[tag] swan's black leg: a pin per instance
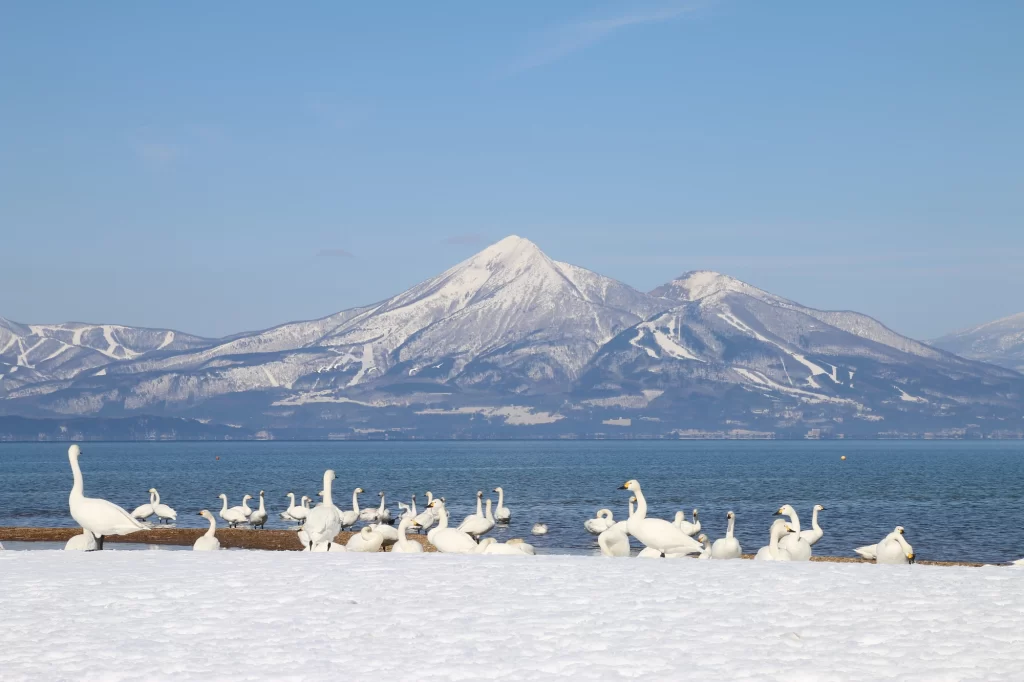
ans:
(99, 542)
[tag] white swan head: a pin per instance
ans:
(899, 529)
(261, 493)
(206, 515)
(785, 510)
(479, 493)
(223, 497)
(694, 513)
(74, 451)
(380, 494)
(818, 507)
(358, 491)
(246, 498)
(702, 538)
(730, 515)
(151, 490)
(498, 490)
(329, 475)
(630, 485)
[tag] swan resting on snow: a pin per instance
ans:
(83, 542)
(445, 539)
(98, 516)
(774, 551)
(798, 548)
(893, 549)
(404, 544)
(207, 542)
(366, 540)
(727, 547)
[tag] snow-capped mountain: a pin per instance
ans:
(1000, 342)
(511, 342)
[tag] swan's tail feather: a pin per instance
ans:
(867, 551)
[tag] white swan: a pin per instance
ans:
(893, 549)
(383, 513)
(427, 518)
(351, 517)
(322, 523)
(774, 552)
(657, 533)
(404, 544)
(703, 539)
(538, 528)
(96, 515)
(144, 511)
(691, 529)
(302, 511)
(727, 547)
(479, 514)
(389, 533)
(259, 516)
(650, 553)
(502, 514)
(408, 509)
(245, 506)
(812, 536)
(83, 542)
(448, 540)
(162, 511)
(366, 540)
(510, 548)
(369, 513)
(614, 542)
(286, 515)
(478, 525)
(231, 516)
(602, 521)
(207, 542)
(798, 548)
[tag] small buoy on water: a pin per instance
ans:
(842, 458)
(218, 458)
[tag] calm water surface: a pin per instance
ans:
(957, 500)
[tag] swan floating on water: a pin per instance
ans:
(682, 524)
(322, 523)
(259, 516)
(602, 521)
(286, 515)
(658, 534)
(383, 513)
(83, 542)
(207, 542)
(479, 514)
(538, 528)
(144, 511)
(502, 514)
(162, 511)
(405, 545)
(812, 536)
(798, 548)
(893, 549)
(727, 547)
(96, 515)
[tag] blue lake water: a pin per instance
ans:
(957, 500)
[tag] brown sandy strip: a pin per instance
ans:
(240, 538)
(284, 540)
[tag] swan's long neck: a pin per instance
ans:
(153, 499)
(403, 526)
(479, 506)
(77, 490)
(814, 521)
(631, 512)
(291, 496)
(355, 502)
(732, 525)
(641, 504)
(430, 497)
(262, 508)
(328, 500)
(501, 499)
(412, 507)
(489, 516)
(156, 496)
(224, 500)
(773, 542)
(795, 522)
(213, 527)
(380, 509)
(442, 517)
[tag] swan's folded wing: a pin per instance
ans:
(867, 551)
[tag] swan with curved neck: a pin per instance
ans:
(658, 534)
(812, 536)
(478, 525)
(404, 544)
(144, 511)
(162, 511)
(232, 516)
(259, 516)
(96, 515)
(703, 539)
(727, 547)
(287, 513)
(798, 548)
(502, 514)
(366, 540)
(83, 542)
(893, 549)
(322, 522)
(350, 517)
(479, 514)
(602, 521)
(775, 551)
(448, 540)
(207, 542)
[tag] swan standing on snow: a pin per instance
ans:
(144, 511)
(162, 511)
(659, 534)
(404, 544)
(366, 540)
(259, 516)
(727, 547)
(812, 536)
(893, 549)
(774, 551)
(322, 522)
(448, 540)
(351, 517)
(502, 514)
(602, 521)
(234, 515)
(798, 548)
(207, 542)
(478, 525)
(83, 542)
(98, 516)
(691, 529)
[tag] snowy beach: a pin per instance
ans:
(290, 616)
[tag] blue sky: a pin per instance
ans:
(216, 167)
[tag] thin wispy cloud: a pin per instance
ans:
(334, 253)
(464, 239)
(573, 37)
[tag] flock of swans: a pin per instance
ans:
(318, 527)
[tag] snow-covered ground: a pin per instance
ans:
(290, 616)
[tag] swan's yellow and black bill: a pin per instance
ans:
(778, 513)
(624, 486)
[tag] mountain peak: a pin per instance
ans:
(698, 284)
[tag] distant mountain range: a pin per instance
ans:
(1000, 342)
(510, 343)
